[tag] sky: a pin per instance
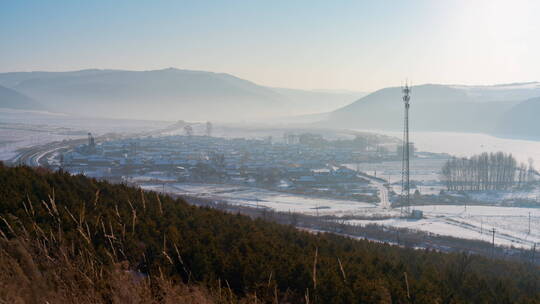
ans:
(305, 44)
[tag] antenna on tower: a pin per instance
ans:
(405, 172)
(208, 129)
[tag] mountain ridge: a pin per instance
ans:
(167, 94)
(520, 120)
(434, 107)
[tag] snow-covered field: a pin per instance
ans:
(425, 173)
(13, 139)
(279, 201)
(422, 169)
(23, 129)
(474, 222)
(499, 196)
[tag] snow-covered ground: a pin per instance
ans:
(24, 129)
(422, 169)
(474, 222)
(279, 201)
(12, 140)
(425, 173)
(500, 196)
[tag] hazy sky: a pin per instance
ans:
(354, 45)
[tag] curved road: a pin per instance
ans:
(37, 155)
(383, 193)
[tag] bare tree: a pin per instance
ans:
(487, 171)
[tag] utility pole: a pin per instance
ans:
(493, 242)
(481, 226)
(529, 223)
(533, 252)
(405, 180)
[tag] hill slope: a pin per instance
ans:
(70, 235)
(170, 94)
(521, 120)
(433, 108)
(12, 99)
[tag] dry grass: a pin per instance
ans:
(40, 265)
(33, 272)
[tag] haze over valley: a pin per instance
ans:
(172, 94)
(166, 94)
(287, 152)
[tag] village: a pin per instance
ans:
(302, 164)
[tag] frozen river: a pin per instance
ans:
(467, 144)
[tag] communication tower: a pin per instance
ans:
(405, 172)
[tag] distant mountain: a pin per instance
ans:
(507, 92)
(12, 99)
(169, 94)
(433, 108)
(521, 121)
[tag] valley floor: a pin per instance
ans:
(511, 224)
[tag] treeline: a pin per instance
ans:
(73, 239)
(486, 171)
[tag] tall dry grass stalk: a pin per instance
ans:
(315, 269)
(160, 208)
(342, 270)
(407, 285)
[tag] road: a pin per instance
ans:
(384, 201)
(37, 156)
